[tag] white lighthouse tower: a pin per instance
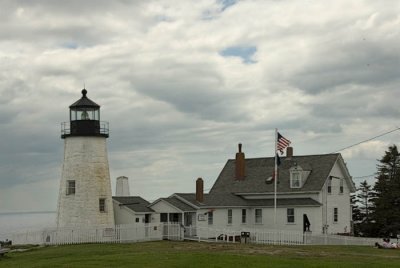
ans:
(85, 189)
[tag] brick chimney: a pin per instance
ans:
(199, 190)
(240, 164)
(289, 152)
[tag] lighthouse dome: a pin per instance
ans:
(84, 102)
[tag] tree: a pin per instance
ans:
(356, 216)
(365, 196)
(386, 211)
(362, 213)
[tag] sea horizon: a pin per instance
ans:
(14, 222)
(27, 212)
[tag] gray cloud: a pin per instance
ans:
(196, 88)
(325, 74)
(358, 63)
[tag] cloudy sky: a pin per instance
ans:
(183, 82)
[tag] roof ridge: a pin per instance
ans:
(270, 157)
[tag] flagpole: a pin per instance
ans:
(276, 175)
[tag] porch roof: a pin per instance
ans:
(179, 204)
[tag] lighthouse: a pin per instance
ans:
(85, 189)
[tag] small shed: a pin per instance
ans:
(133, 210)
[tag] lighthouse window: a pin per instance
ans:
(73, 115)
(85, 115)
(70, 187)
(102, 205)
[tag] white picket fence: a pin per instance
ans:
(258, 236)
(272, 237)
(114, 234)
(278, 237)
(175, 231)
(340, 240)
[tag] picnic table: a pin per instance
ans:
(3, 251)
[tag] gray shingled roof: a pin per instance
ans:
(135, 203)
(222, 199)
(226, 191)
(259, 169)
(231, 200)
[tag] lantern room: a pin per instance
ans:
(84, 117)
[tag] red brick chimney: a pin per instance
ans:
(199, 190)
(240, 164)
(289, 152)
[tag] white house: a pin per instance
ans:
(313, 192)
(133, 210)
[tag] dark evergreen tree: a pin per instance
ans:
(386, 211)
(364, 198)
(356, 216)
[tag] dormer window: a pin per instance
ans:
(296, 180)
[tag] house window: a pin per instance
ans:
(137, 219)
(164, 217)
(70, 187)
(174, 217)
(102, 205)
(290, 215)
(258, 216)
(210, 217)
(295, 179)
(244, 212)
(229, 216)
(341, 186)
(335, 215)
(330, 185)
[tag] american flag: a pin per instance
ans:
(282, 143)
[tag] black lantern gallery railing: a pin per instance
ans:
(84, 128)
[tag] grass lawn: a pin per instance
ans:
(194, 254)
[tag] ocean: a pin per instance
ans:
(17, 222)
